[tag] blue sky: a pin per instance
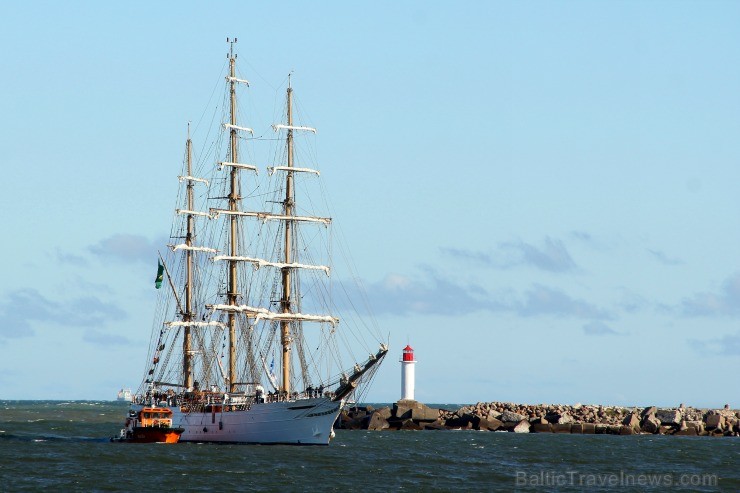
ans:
(541, 197)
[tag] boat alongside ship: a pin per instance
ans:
(241, 284)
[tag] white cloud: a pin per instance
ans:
(127, 248)
(723, 302)
(598, 329)
(541, 300)
(664, 259)
(552, 256)
(22, 309)
(727, 345)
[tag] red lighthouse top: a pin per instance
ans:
(408, 353)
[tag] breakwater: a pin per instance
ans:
(545, 418)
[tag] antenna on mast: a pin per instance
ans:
(231, 42)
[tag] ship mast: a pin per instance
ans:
(233, 200)
(187, 354)
(288, 210)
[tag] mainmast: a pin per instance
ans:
(187, 353)
(288, 210)
(233, 201)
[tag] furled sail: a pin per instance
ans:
(268, 216)
(258, 262)
(183, 246)
(264, 313)
(272, 169)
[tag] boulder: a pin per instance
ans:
(539, 427)
(669, 416)
(436, 425)
(511, 417)
(686, 432)
(422, 412)
(408, 424)
(402, 409)
(565, 418)
(716, 433)
(631, 420)
(491, 424)
(385, 412)
(459, 422)
(715, 421)
(408, 409)
(698, 425)
(650, 424)
(522, 427)
(648, 411)
(473, 419)
(562, 418)
(377, 422)
(627, 430)
(347, 422)
(666, 430)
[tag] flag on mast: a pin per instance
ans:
(160, 275)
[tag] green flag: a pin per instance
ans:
(160, 272)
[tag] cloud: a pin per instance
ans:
(725, 302)
(598, 329)
(469, 255)
(632, 302)
(436, 295)
(664, 259)
(126, 248)
(71, 259)
(401, 295)
(23, 307)
(582, 235)
(541, 300)
(551, 257)
(727, 345)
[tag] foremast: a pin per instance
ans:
(233, 229)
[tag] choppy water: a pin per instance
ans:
(63, 446)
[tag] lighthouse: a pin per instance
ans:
(407, 373)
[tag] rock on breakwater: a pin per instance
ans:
(546, 418)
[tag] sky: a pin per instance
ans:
(540, 197)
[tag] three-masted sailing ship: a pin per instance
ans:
(244, 286)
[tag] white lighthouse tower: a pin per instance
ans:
(407, 373)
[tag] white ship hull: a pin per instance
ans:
(302, 422)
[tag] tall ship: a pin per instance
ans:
(247, 343)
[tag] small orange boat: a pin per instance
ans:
(149, 425)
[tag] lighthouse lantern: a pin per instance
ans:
(407, 373)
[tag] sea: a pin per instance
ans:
(65, 446)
